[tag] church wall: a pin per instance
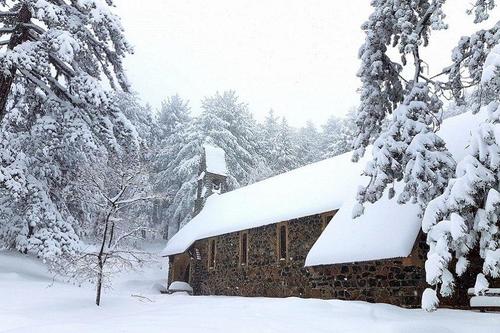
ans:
(398, 281)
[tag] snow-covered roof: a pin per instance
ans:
(315, 188)
(215, 158)
(386, 229)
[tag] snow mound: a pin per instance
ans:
(180, 286)
(215, 158)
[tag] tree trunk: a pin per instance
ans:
(99, 281)
(111, 234)
(19, 36)
(100, 261)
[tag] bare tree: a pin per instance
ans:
(114, 192)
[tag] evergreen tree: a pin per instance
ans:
(408, 149)
(225, 122)
(284, 151)
(54, 126)
(64, 49)
(400, 24)
(174, 112)
(460, 214)
(176, 164)
(269, 134)
(337, 136)
(468, 211)
(308, 142)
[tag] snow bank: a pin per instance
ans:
(33, 302)
(215, 158)
(386, 229)
(309, 190)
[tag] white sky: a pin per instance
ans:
(294, 56)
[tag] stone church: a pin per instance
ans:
(293, 235)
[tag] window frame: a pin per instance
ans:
(327, 217)
(212, 257)
(244, 250)
(279, 227)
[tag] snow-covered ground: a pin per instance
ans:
(31, 302)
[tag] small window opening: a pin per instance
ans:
(282, 239)
(326, 218)
(244, 248)
(211, 254)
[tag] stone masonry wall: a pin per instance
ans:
(396, 281)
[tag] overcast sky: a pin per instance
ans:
(296, 57)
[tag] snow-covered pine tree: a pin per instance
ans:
(284, 151)
(63, 49)
(176, 164)
(264, 135)
(466, 215)
(225, 122)
(337, 135)
(57, 118)
(408, 149)
(329, 134)
(271, 124)
(401, 24)
(269, 133)
(174, 112)
(184, 169)
(309, 144)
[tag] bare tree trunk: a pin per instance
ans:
(99, 281)
(111, 234)
(100, 261)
